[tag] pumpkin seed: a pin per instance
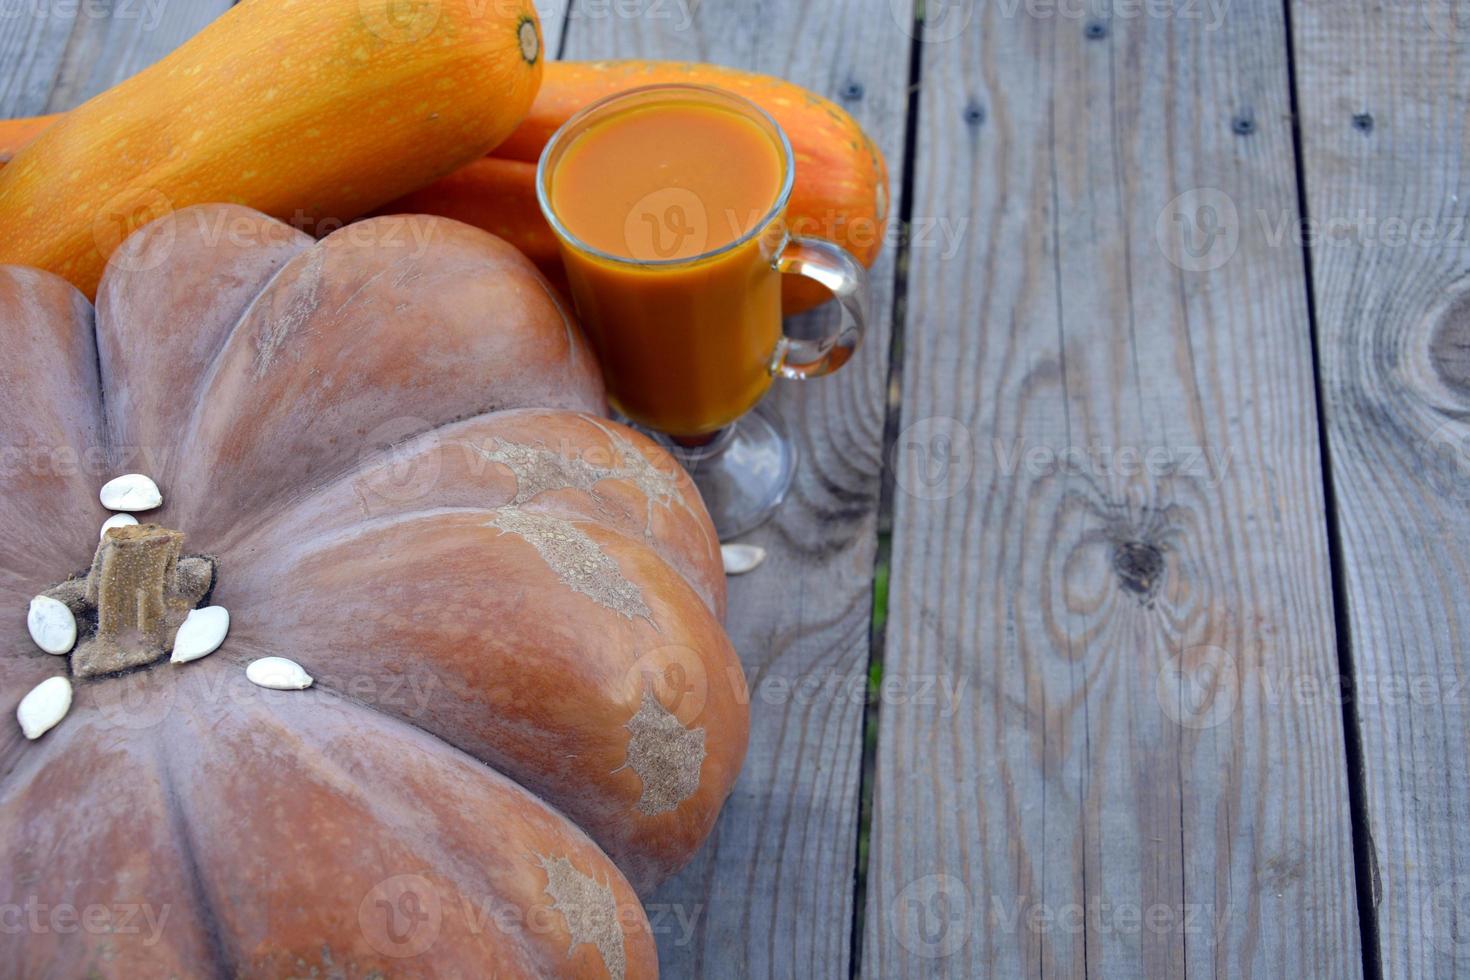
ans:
(278, 674)
(118, 520)
(133, 492)
(52, 624)
(201, 633)
(40, 710)
(741, 558)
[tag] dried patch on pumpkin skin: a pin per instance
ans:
(590, 911)
(537, 470)
(576, 559)
(664, 754)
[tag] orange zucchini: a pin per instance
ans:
(16, 133)
(308, 110)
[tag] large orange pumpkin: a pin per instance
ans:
(525, 709)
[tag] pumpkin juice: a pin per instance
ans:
(671, 235)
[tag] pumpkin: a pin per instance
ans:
(840, 192)
(309, 111)
(384, 454)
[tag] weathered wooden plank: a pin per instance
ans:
(1385, 101)
(773, 889)
(55, 54)
(1109, 519)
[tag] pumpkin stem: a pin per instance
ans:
(140, 588)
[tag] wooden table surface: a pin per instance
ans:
(1117, 623)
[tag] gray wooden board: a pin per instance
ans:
(1385, 102)
(773, 888)
(55, 54)
(1109, 524)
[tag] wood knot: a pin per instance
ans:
(1243, 125)
(853, 91)
(1363, 122)
(1140, 566)
(1096, 30)
(974, 114)
(1449, 346)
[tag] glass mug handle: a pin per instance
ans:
(834, 267)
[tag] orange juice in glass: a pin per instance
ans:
(669, 206)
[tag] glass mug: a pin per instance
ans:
(668, 204)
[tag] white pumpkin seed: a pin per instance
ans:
(52, 624)
(202, 632)
(741, 558)
(118, 520)
(278, 674)
(133, 492)
(40, 710)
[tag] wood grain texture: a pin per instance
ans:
(1109, 521)
(55, 54)
(773, 888)
(1385, 101)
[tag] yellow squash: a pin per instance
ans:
(309, 110)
